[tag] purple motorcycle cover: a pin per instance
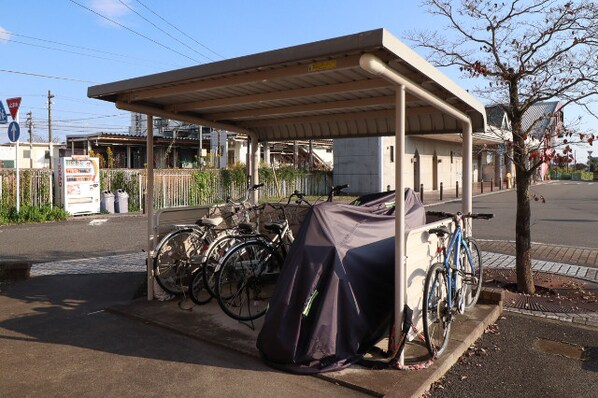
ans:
(334, 297)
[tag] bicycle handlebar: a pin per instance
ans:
(245, 199)
(300, 198)
(482, 216)
(335, 190)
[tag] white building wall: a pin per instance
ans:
(325, 155)
(240, 149)
(37, 152)
(448, 171)
(356, 163)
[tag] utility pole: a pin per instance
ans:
(30, 125)
(50, 96)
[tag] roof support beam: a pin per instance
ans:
(281, 110)
(149, 206)
(377, 67)
(368, 84)
(149, 110)
(260, 76)
(347, 116)
(400, 271)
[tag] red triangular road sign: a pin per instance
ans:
(13, 106)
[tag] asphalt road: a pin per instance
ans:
(569, 216)
(526, 356)
(57, 340)
(78, 237)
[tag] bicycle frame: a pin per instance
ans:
(456, 244)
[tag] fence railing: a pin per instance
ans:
(36, 187)
(172, 188)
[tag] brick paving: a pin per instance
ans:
(561, 254)
(100, 265)
(507, 261)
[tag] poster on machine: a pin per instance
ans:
(78, 184)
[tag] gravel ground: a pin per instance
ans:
(525, 356)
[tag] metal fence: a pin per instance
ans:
(35, 187)
(172, 188)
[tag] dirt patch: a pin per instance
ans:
(554, 293)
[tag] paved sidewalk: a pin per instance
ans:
(505, 261)
(550, 253)
(136, 263)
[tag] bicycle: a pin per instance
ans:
(172, 265)
(173, 262)
(202, 286)
(334, 190)
(247, 274)
(453, 285)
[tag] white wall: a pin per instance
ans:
(37, 152)
(356, 163)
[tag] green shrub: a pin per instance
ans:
(587, 176)
(32, 214)
(202, 188)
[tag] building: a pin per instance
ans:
(34, 155)
(367, 164)
(179, 145)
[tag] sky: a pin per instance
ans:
(65, 46)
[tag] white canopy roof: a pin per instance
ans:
(315, 90)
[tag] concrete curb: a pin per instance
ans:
(457, 349)
(466, 329)
(213, 327)
(15, 271)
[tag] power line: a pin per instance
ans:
(133, 31)
(163, 31)
(83, 48)
(48, 76)
(119, 115)
(68, 111)
(76, 53)
(180, 31)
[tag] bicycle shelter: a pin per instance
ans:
(365, 84)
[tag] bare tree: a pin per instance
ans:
(524, 52)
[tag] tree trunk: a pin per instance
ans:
(523, 239)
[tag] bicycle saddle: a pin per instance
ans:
(212, 222)
(246, 227)
(440, 231)
(275, 226)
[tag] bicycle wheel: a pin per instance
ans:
(197, 290)
(472, 282)
(246, 279)
(214, 255)
(436, 312)
(172, 266)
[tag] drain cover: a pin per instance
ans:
(567, 350)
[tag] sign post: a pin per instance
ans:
(14, 130)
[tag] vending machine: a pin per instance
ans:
(78, 184)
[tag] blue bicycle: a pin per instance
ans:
(453, 285)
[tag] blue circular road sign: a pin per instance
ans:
(14, 131)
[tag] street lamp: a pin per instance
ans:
(590, 160)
